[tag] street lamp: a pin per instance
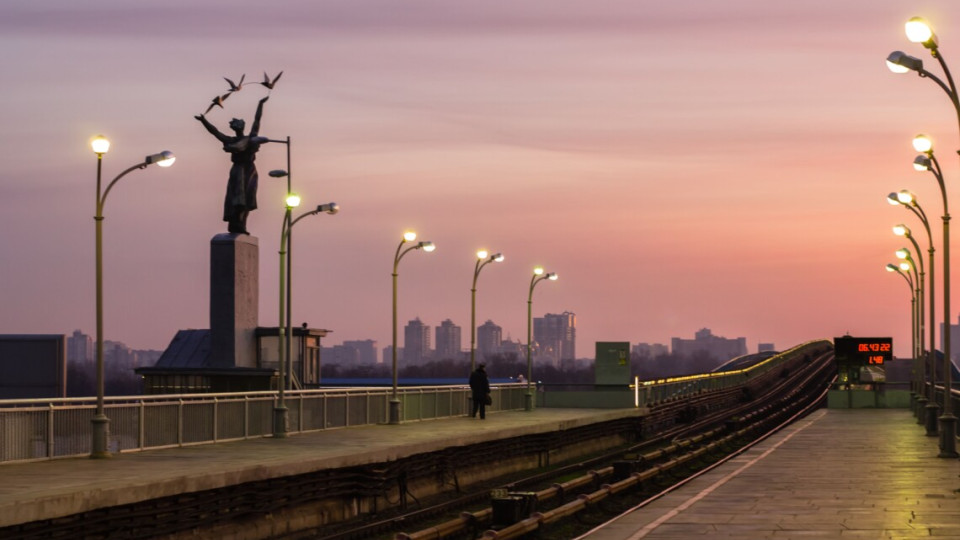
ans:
(538, 276)
(913, 317)
(919, 31)
(928, 407)
(284, 328)
(482, 260)
(908, 265)
(904, 270)
(408, 236)
(100, 429)
(903, 230)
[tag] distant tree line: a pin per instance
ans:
(82, 381)
(508, 365)
(498, 366)
(672, 365)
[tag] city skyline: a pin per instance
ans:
(679, 166)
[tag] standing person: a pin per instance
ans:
(241, 195)
(480, 388)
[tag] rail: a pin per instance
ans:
(60, 427)
(657, 391)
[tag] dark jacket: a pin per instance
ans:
(479, 384)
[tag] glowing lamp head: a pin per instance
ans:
(100, 145)
(482, 254)
(163, 159)
(893, 200)
(409, 236)
(921, 163)
(168, 161)
(538, 271)
(552, 276)
(900, 62)
(919, 31)
(922, 143)
(427, 246)
(903, 254)
(292, 200)
(497, 257)
(901, 230)
(905, 197)
(892, 268)
(905, 266)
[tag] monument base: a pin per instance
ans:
(234, 292)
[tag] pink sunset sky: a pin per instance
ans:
(680, 164)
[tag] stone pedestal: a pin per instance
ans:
(234, 290)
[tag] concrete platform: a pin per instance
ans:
(866, 473)
(48, 489)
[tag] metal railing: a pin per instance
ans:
(54, 428)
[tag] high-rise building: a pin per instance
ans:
(387, 355)
(448, 341)
(342, 355)
(489, 336)
(556, 337)
(416, 343)
(79, 347)
(366, 350)
(704, 341)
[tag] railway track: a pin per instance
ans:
(557, 502)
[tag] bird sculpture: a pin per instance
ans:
(269, 83)
(217, 102)
(236, 87)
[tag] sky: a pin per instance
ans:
(680, 165)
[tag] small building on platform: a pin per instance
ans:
(187, 367)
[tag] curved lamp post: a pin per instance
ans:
(905, 272)
(907, 199)
(538, 276)
(907, 264)
(100, 429)
(408, 236)
(284, 328)
(903, 230)
(928, 407)
(919, 31)
(482, 260)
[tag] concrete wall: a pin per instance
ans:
(599, 399)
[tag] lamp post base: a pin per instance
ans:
(528, 401)
(99, 447)
(933, 411)
(948, 436)
(921, 410)
(394, 411)
(280, 418)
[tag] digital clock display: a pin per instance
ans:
(863, 351)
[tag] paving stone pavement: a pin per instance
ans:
(861, 473)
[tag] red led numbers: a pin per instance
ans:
(873, 347)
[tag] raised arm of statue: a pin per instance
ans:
(212, 129)
(255, 128)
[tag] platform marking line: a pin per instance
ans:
(706, 491)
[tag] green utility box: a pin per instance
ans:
(612, 366)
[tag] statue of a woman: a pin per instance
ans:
(241, 195)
